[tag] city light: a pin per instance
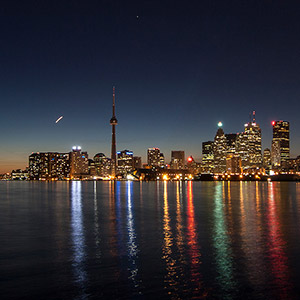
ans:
(220, 124)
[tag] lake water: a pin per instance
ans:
(147, 240)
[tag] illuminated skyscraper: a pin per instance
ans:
(267, 159)
(153, 157)
(249, 145)
(125, 161)
(275, 154)
(207, 164)
(281, 133)
(113, 123)
(162, 160)
(220, 150)
(102, 165)
(78, 163)
(177, 160)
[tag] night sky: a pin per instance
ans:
(179, 67)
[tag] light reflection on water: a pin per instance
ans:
(221, 242)
(78, 240)
(171, 240)
(276, 247)
(132, 248)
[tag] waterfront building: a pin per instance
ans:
(91, 168)
(275, 154)
(231, 142)
(102, 165)
(281, 133)
(78, 163)
(192, 166)
(124, 162)
(48, 165)
(248, 145)
(177, 160)
(113, 123)
(267, 163)
(19, 174)
(137, 162)
(233, 163)
(161, 160)
(207, 165)
(220, 150)
(153, 157)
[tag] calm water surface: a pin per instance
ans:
(132, 240)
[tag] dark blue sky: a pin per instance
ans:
(179, 68)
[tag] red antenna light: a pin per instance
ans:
(273, 123)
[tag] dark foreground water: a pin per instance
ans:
(157, 240)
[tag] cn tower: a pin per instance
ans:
(113, 123)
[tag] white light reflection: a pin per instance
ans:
(131, 245)
(96, 222)
(78, 243)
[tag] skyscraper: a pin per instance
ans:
(153, 157)
(220, 150)
(267, 159)
(281, 133)
(113, 123)
(125, 161)
(249, 144)
(102, 165)
(275, 154)
(207, 157)
(177, 159)
(78, 163)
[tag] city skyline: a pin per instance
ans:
(178, 71)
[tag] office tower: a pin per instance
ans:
(49, 165)
(192, 165)
(276, 154)
(267, 159)
(207, 165)
(102, 165)
(248, 145)
(161, 160)
(125, 161)
(78, 163)
(137, 162)
(153, 157)
(91, 167)
(220, 150)
(231, 142)
(113, 123)
(233, 163)
(177, 160)
(281, 133)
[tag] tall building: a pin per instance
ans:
(231, 142)
(281, 133)
(220, 150)
(267, 163)
(49, 165)
(192, 165)
(79, 164)
(102, 165)
(177, 160)
(162, 160)
(276, 154)
(153, 157)
(137, 162)
(233, 163)
(125, 161)
(207, 165)
(113, 123)
(248, 144)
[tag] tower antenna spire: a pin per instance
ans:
(113, 123)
